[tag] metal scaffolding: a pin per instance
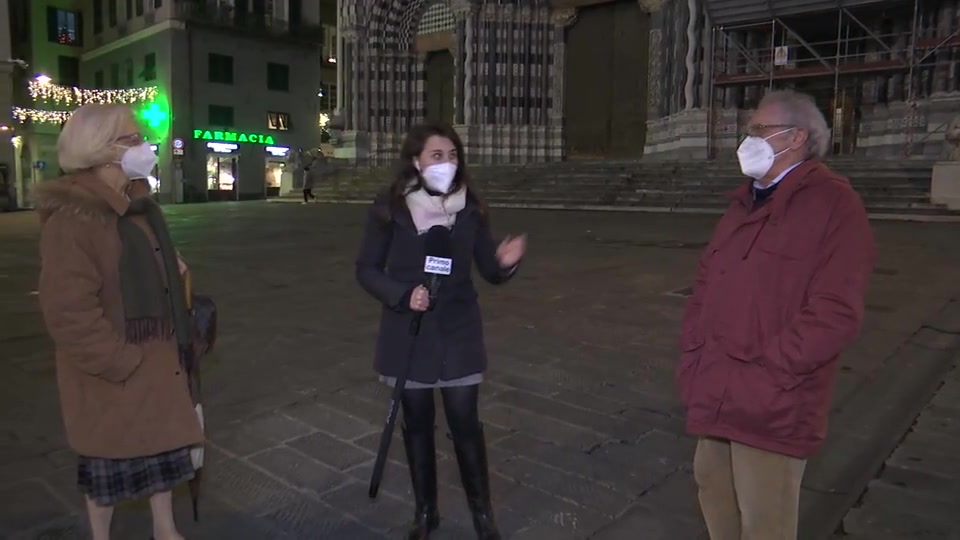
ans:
(793, 52)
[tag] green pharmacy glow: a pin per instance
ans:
(153, 115)
(232, 136)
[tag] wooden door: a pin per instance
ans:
(439, 87)
(605, 87)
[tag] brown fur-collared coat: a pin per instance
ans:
(119, 400)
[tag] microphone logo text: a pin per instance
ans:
(437, 265)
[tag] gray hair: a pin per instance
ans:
(800, 110)
(88, 138)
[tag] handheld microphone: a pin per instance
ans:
(438, 262)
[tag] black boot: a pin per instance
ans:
(422, 460)
(471, 449)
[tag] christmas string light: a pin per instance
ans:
(39, 116)
(72, 95)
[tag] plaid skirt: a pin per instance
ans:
(110, 481)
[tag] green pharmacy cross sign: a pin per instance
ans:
(232, 136)
(153, 115)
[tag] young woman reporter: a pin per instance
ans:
(432, 188)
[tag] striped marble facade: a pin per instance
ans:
(508, 61)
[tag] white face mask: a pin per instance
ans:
(138, 161)
(438, 177)
(756, 156)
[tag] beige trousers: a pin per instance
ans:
(746, 493)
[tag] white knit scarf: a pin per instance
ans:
(428, 210)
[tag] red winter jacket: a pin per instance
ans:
(779, 293)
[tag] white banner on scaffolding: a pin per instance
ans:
(781, 56)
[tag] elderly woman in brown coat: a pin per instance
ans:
(109, 284)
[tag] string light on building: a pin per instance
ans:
(38, 116)
(43, 90)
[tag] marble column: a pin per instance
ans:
(560, 20)
(895, 82)
(464, 13)
(690, 59)
(944, 27)
(655, 64)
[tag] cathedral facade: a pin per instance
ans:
(549, 80)
(499, 71)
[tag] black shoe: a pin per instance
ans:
(422, 460)
(471, 449)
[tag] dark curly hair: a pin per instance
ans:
(395, 195)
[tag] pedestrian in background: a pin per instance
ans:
(432, 188)
(779, 293)
(111, 298)
(311, 171)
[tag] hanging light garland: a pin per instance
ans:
(72, 95)
(41, 89)
(40, 116)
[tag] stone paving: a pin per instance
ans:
(585, 432)
(916, 496)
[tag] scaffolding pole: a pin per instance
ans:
(773, 52)
(911, 112)
(712, 148)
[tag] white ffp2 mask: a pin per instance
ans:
(138, 161)
(756, 156)
(439, 176)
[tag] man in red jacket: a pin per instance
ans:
(779, 293)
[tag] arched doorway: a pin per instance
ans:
(439, 85)
(605, 86)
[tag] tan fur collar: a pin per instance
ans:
(82, 195)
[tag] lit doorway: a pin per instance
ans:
(277, 157)
(222, 172)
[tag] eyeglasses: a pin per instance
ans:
(759, 130)
(131, 138)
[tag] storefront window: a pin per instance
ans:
(220, 173)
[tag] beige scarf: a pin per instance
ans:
(428, 210)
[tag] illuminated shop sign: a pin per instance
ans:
(232, 136)
(278, 151)
(223, 148)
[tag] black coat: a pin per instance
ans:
(390, 266)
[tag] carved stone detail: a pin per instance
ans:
(564, 17)
(650, 5)
(462, 8)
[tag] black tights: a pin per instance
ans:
(459, 404)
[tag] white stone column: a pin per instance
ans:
(561, 19)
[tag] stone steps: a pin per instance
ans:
(889, 188)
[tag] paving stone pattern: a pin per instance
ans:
(917, 495)
(585, 432)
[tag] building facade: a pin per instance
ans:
(48, 36)
(229, 91)
(526, 80)
(8, 188)
(885, 73)
(548, 80)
